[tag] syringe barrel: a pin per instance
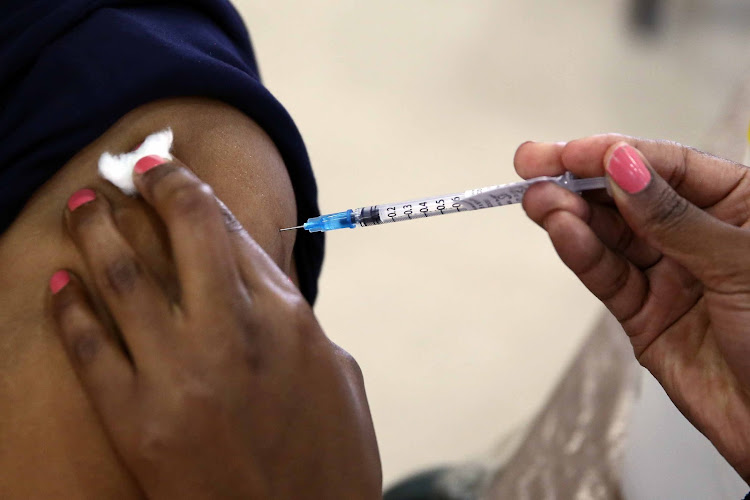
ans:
(408, 210)
(507, 194)
(475, 199)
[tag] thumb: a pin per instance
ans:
(715, 252)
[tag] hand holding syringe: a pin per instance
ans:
(475, 199)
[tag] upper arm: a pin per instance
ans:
(231, 153)
(221, 145)
(225, 149)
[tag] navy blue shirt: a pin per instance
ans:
(66, 75)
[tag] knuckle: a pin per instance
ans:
(680, 171)
(84, 218)
(616, 283)
(230, 221)
(193, 394)
(293, 316)
(668, 211)
(198, 396)
(155, 440)
(348, 365)
(62, 305)
(192, 200)
(300, 314)
(190, 402)
(160, 177)
(625, 237)
(352, 365)
(676, 161)
(122, 274)
(85, 347)
(82, 337)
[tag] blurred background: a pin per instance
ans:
(463, 325)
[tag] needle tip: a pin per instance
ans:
(290, 228)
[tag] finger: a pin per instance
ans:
(611, 278)
(534, 159)
(611, 228)
(256, 267)
(102, 366)
(206, 267)
(545, 198)
(145, 233)
(701, 178)
(136, 302)
(623, 288)
(715, 252)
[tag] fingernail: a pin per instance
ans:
(147, 163)
(80, 197)
(628, 170)
(58, 281)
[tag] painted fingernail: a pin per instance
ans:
(628, 170)
(80, 198)
(147, 163)
(58, 281)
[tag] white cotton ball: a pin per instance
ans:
(118, 169)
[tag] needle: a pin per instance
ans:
(290, 228)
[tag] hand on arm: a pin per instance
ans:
(669, 256)
(230, 389)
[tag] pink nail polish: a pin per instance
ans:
(628, 170)
(147, 163)
(58, 281)
(80, 197)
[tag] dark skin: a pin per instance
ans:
(228, 389)
(52, 441)
(671, 264)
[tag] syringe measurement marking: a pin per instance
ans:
(456, 203)
(427, 208)
(439, 206)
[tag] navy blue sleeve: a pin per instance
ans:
(66, 75)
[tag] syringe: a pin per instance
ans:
(475, 199)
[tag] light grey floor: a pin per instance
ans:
(463, 324)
